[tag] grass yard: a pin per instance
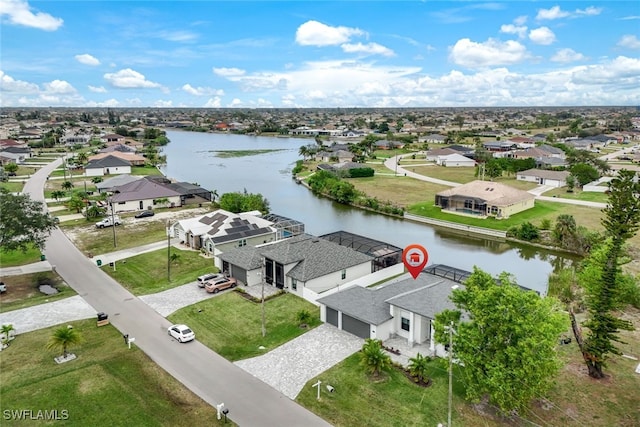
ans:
(231, 325)
(461, 175)
(585, 216)
(90, 239)
(391, 400)
(401, 190)
(575, 400)
(142, 170)
(137, 275)
(587, 196)
(12, 187)
(22, 290)
(16, 258)
(107, 384)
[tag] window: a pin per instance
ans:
(294, 284)
(468, 204)
(242, 242)
(494, 210)
(344, 274)
(404, 324)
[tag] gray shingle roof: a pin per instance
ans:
(107, 162)
(427, 295)
(315, 257)
(247, 257)
(142, 189)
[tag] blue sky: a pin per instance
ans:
(319, 53)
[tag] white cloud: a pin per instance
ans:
(228, 72)
(19, 12)
(108, 103)
(201, 91)
(128, 78)
(630, 41)
(9, 84)
(542, 35)
(567, 55)
(178, 36)
(590, 11)
(369, 48)
(520, 20)
(213, 103)
(554, 13)
(314, 33)
(520, 30)
(97, 89)
(490, 53)
(87, 59)
(59, 87)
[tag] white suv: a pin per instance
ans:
(209, 276)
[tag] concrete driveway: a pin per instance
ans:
(289, 367)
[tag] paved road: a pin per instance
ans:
(250, 401)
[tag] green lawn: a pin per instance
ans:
(107, 384)
(13, 187)
(137, 275)
(142, 170)
(15, 258)
(390, 401)
(231, 325)
(587, 196)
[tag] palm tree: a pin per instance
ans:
(419, 367)
(214, 195)
(63, 338)
(374, 359)
(57, 194)
(94, 211)
(6, 330)
(303, 317)
(304, 152)
(96, 179)
(82, 157)
(67, 185)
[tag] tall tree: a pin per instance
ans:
(23, 222)
(621, 221)
(507, 345)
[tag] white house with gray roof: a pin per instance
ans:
(405, 308)
(296, 263)
(109, 165)
(544, 177)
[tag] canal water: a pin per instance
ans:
(196, 157)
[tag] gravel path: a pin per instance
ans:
(289, 367)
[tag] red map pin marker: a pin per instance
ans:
(415, 257)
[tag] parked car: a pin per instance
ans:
(215, 286)
(181, 332)
(108, 222)
(145, 214)
(209, 276)
(3, 287)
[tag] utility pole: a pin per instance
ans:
(168, 253)
(450, 372)
(113, 223)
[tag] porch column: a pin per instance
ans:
(432, 344)
(412, 318)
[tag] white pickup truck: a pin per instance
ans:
(108, 222)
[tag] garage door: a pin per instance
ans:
(355, 326)
(240, 274)
(332, 317)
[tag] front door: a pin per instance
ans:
(141, 205)
(279, 275)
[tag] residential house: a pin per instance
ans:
(434, 138)
(544, 177)
(433, 154)
(455, 160)
(406, 308)
(110, 184)
(220, 231)
(499, 146)
(383, 144)
(118, 147)
(132, 158)
(339, 155)
(109, 165)
(112, 138)
(297, 263)
(484, 198)
(143, 194)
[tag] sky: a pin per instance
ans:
(319, 54)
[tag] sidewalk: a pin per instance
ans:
(128, 253)
(35, 267)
